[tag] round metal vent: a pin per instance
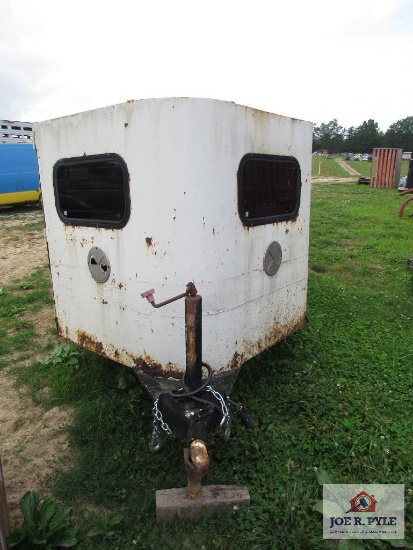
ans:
(99, 265)
(273, 258)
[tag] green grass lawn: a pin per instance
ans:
(336, 395)
(328, 167)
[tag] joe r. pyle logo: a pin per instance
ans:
(345, 507)
(362, 502)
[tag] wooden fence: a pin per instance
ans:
(385, 170)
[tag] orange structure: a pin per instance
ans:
(385, 170)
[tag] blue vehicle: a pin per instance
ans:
(19, 173)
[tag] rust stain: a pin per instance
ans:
(104, 302)
(145, 365)
(288, 223)
(120, 286)
(63, 331)
(89, 342)
(236, 361)
(275, 335)
(126, 124)
(148, 241)
(148, 366)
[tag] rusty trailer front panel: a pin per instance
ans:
(179, 219)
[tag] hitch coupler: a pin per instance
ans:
(196, 463)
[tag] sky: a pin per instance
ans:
(314, 60)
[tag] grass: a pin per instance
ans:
(328, 167)
(19, 303)
(336, 395)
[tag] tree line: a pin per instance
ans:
(364, 138)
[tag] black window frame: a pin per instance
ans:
(276, 218)
(94, 222)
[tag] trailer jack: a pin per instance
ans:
(196, 411)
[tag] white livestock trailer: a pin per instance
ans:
(151, 194)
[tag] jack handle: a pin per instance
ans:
(190, 291)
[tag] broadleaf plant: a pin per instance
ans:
(45, 525)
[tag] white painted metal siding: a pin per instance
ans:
(182, 156)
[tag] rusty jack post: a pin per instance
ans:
(193, 337)
(193, 331)
(196, 463)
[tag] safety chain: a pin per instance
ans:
(226, 419)
(158, 420)
(155, 443)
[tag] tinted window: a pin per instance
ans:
(268, 189)
(92, 190)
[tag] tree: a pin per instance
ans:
(364, 138)
(367, 136)
(400, 134)
(351, 142)
(329, 136)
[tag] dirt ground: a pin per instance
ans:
(31, 440)
(347, 167)
(353, 175)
